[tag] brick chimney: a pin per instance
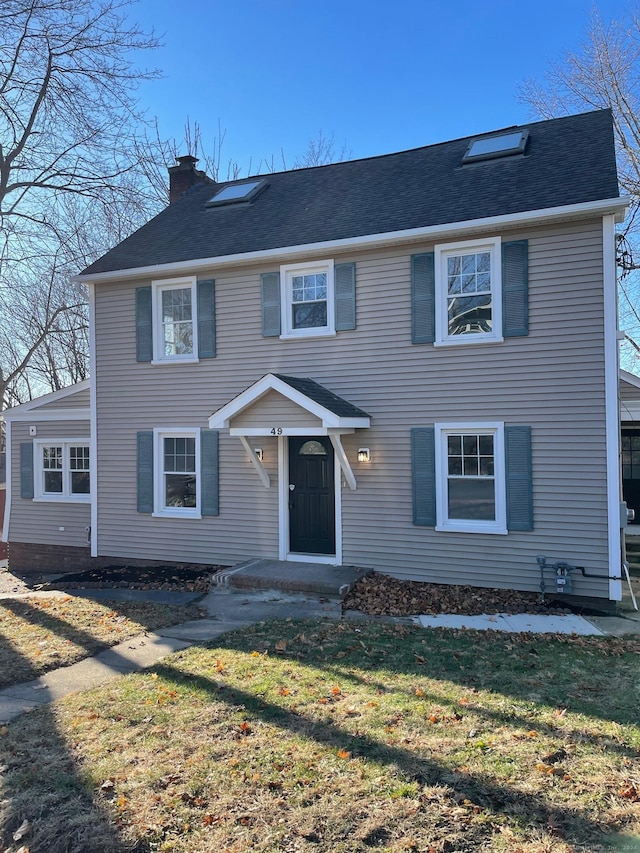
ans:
(185, 175)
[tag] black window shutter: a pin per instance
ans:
(423, 467)
(209, 488)
(270, 284)
(26, 469)
(144, 328)
(145, 471)
(519, 477)
(345, 296)
(515, 288)
(423, 299)
(206, 319)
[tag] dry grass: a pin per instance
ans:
(39, 634)
(340, 738)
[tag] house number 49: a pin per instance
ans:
(276, 430)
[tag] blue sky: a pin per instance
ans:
(378, 77)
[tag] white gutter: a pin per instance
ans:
(7, 502)
(612, 412)
(615, 206)
(93, 440)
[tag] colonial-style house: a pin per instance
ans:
(405, 363)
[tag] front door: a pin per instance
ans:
(312, 513)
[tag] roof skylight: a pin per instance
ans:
(500, 145)
(237, 192)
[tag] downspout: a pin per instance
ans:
(612, 407)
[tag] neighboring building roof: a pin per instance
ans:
(566, 161)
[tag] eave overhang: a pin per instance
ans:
(617, 207)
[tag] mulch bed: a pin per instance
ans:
(382, 595)
(183, 577)
(376, 594)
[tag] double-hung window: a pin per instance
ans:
(468, 292)
(174, 312)
(177, 465)
(62, 470)
(308, 303)
(470, 477)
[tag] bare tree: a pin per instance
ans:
(68, 157)
(321, 150)
(605, 73)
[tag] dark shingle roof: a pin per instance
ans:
(320, 394)
(568, 160)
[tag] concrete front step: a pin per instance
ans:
(316, 578)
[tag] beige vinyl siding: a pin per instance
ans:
(275, 410)
(552, 380)
(78, 400)
(40, 521)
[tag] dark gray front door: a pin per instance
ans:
(311, 496)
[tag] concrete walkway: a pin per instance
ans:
(230, 609)
(227, 610)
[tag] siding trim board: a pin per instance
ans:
(612, 412)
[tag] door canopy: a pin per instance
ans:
(279, 405)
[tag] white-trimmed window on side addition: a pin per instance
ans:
(470, 478)
(308, 303)
(62, 470)
(178, 480)
(468, 292)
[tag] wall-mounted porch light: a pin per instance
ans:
(259, 453)
(364, 454)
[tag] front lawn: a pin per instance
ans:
(295, 737)
(38, 634)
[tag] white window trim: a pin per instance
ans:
(66, 496)
(286, 273)
(442, 252)
(157, 288)
(443, 522)
(159, 508)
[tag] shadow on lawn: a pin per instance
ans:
(46, 787)
(499, 799)
(15, 668)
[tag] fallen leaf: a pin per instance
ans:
(22, 830)
(344, 753)
(4, 730)
(630, 793)
(281, 646)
